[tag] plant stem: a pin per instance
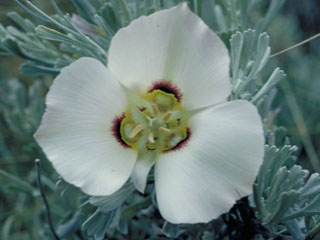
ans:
(296, 45)
(45, 200)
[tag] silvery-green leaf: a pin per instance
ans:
(273, 9)
(31, 68)
(294, 228)
(108, 15)
(96, 225)
(207, 236)
(310, 208)
(108, 203)
(51, 34)
(312, 187)
(133, 209)
(71, 226)
(276, 76)
(25, 24)
(286, 200)
(171, 230)
(262, 55)
(236, 43)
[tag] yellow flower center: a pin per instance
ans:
(154, 121)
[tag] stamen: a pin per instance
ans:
(151, 137)
(165, 129)
(145, 115)
(167, 116)
(136, 130)
(155, 109)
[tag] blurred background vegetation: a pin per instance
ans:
(298, 102)
(299, 95)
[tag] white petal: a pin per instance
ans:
(75, 132)
(216, 167)
(175, 45)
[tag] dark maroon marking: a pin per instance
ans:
(115, 129)
(180, 144)
(166, 87)
(179, 122)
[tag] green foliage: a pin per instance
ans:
(249, 54)
(281, 193)
(285, 200)
(108, 203)
(24, 43)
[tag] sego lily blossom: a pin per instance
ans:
(161, 102)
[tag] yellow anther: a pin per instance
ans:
(165, 129)
(151, 137)
(137, 129)
(167, 116)
(145, 115)
(142, 111)
(155, 109)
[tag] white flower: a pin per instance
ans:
(160, 101)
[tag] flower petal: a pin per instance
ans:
(216, 167)
(141, 170)
(75, 132)
(173, 45)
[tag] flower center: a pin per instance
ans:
(154, 121)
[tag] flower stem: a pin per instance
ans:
(45, 200)
(296, 45)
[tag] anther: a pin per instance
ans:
(165, 129)
(137, 129)
(151, 137)
(144, 114)
(155, 109)
(167, 116)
